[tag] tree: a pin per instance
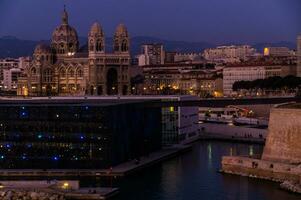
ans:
(271, 83)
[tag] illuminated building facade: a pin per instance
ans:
(181, 79)
(229, 54)
(151, 54)
(65, 69)
(277, 51)
(7, 66)
(253, 71)
(76, 133)
(10, 78)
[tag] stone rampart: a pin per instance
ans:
(284, 137)
(269, 170)
(281, 159)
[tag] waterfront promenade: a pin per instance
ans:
(119, 170)
(53, 190)
(232, 133)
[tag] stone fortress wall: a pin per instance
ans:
(263, 169)
(284, 140)
(281, 159)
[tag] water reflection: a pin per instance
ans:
(194, 176)
(209, 149)
(251, 151)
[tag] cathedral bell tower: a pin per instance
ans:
(121, 40)
(96, 39)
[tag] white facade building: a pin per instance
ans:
(181, 57)
(229, 54)
(5, 66)
(277, 51)
(10, 79)
(234, 73)
(8, 63)
(151, 54)
(24, 62)
(10, 70)
(141, 60)
(240, 73)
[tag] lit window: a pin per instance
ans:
(48, 75)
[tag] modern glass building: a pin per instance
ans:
(76, 134)
(179, 124)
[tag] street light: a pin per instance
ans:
(65, 185)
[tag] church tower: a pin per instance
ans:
(96, 48)
(96, 39)
(121, 40)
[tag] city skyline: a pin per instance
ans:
(196, 99)
(216, 22)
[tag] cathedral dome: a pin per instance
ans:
(64, 32)
(64, 37)
(42, 49)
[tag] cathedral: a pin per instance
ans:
(63, 69)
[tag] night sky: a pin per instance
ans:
(215, 21)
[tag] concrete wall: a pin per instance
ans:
(284, 138)
(227, 131)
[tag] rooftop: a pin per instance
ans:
(91, 100)
(69, 100)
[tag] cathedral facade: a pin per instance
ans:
(64, 69)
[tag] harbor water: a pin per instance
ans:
(194, 176)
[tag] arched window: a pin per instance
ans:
(71, 73)
(98, 45)
(116, 45)
(63, 73)
(62, 49)
(79, 73)
(33, 71)
(124, 46)
(91, 45)
(47, 75)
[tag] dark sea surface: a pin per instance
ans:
(194, 176)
